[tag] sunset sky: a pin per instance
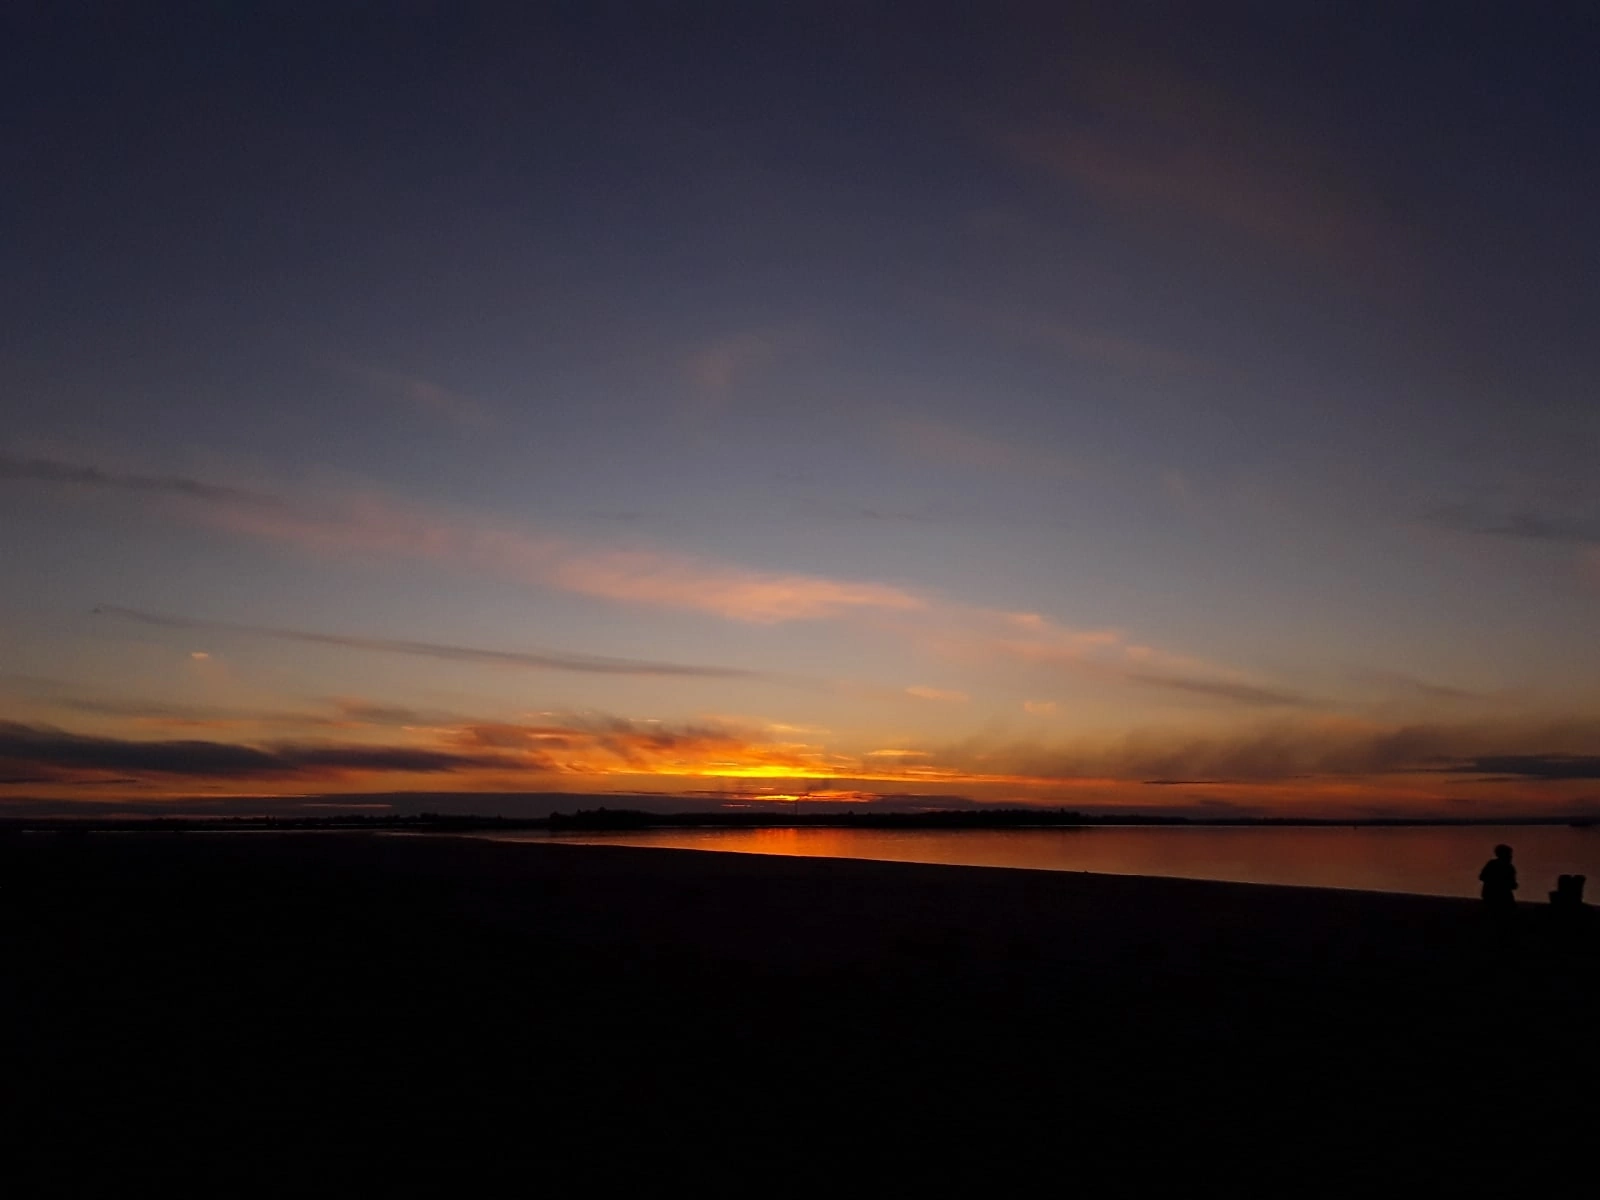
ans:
(1191, 410)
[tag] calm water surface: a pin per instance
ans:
(1433, 861)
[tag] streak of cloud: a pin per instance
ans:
(47, 470)
(1532, 766)
(372, 524)
(1297, 751)
(1521, 524)
(943, 444)
(759, 597)
(1248, 694)
(1077, 340)
(941, 695)
(421, 395)
(594, 664)
(45, 747)
(1149, 142)
(1108, 654)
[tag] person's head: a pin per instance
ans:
(1503, 853)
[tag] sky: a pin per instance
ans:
(1181, 408)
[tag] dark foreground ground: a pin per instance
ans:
(212, 1010)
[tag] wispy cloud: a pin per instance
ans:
(1080, 340)
(594, 664)
(188, 716)
(1148, 142)
(942, 695)
(421, 395)
(943, 444)
(1293, 750)
(1106, 348)
(46, 470)
(735, 592)
(717, 369)
(1252, 695)
(370, 523)
(1106, 654)
(1523, 524)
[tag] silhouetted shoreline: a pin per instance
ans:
(189, 991)
(603, 818)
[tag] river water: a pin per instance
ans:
(1432, 860)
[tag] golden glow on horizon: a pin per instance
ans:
(1328, 764)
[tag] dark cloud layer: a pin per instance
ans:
(1533, 766)
(1294, 750)
(32, 749)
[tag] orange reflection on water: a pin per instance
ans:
(1442, 861)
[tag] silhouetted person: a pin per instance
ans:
(1499, 879)
(1569, 892)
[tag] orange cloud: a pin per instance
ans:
(943, 695)
(368, 523)
(1341, 766)
(735, 592)
(1106, 653)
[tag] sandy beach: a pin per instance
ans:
(668, 1009)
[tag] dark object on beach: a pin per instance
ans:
(1569, 892)
(1499, 879)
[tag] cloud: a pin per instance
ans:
(1532, 766)
(947, 445)
(598, 745)
(372, 524)
(45, 470)
(1297, 751)
(1427, 689)
(1107, 349)
(943, 695)
(1522, 524)
(1107, 654)
(1211, 183)
(421, 395)
(1340, 761)
(34, 746)
(594, 664)
(759, 597)
(1039, 708)
(380, 714)
(1149, 142)
(1248, 694)
(189, 716)
(1085, 343)
(717, 369)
